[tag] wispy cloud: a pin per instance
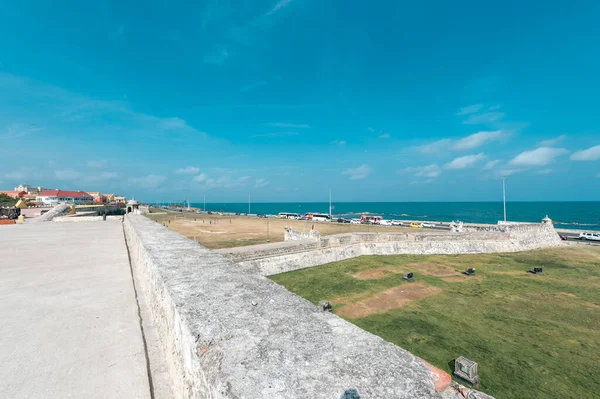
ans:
(385, 136)
(590, 154)
(508, 172)
(275, 134)
(552, 142)
(261, 183)
(491, 164)
(96, 164)
(359, 173)
(432, 170)
(434, 147)
(484, 118)
(471, 109)
(200, 178)
(278, 6)
(289, 125)
(538, 157)
(370, 129)
(189, 170)
(148, 181)
(543, 172)
(477, 140)
(252, 86)
(19, 131)
(465, 162)
(339, 142)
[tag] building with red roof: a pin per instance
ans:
(14, 194)
(55, 197)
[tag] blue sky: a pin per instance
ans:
(383, 101)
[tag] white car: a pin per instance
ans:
(355, 221)
(589, 236)
(430, 225)
(397, 223)
(385, 222)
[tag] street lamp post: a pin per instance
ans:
(504, 196)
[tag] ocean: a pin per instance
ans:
(569, 215)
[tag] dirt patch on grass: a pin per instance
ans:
(376, 274)
(389, 299)
(432, 269)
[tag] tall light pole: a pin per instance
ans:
(504, 195)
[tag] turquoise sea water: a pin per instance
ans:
(575, 215)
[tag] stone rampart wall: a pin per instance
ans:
(230, 333)
(489, 239)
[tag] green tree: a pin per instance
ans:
(5, 200)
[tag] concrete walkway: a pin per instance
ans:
(69, 325)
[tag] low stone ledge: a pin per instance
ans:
(230, 333)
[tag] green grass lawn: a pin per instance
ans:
(533, 336)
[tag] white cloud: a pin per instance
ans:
(465, 162)
(590, 154)
(358, 173)
(491, 164)
(471, 109)
(66, 174)
(190, 170)
(148, 181)
(538, 157)
(278, 6)
(483, 119)
(477, 140)
(508, 172)
(385, 136)
(432, 170)
(543, 172)
(370, 129)
(260, 183)
(290, 125)
(552, 142)
(200, 178)
(434, 147)
(339, 142)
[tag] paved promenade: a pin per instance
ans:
(70, 326)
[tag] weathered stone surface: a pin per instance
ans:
(58, 210)
(229, 332)
(269, 259)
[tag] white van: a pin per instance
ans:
(589, 236)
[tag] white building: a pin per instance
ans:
(55, 197)
(29, 189)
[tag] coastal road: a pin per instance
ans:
(573, 237)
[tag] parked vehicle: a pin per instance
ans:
(564, 238)
(416, 225)
(342, 220)
(364, 219)
(397, 223)
(589, 236)
(385, 222)
(288, 215)
(430, 225)
(260, 215)
(355, 221)
(318, 217)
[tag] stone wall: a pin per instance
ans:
(228, 332)
(292, 235)
(268, 259)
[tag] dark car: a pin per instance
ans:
(260, 215)
(564, 238)
(342, 220)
